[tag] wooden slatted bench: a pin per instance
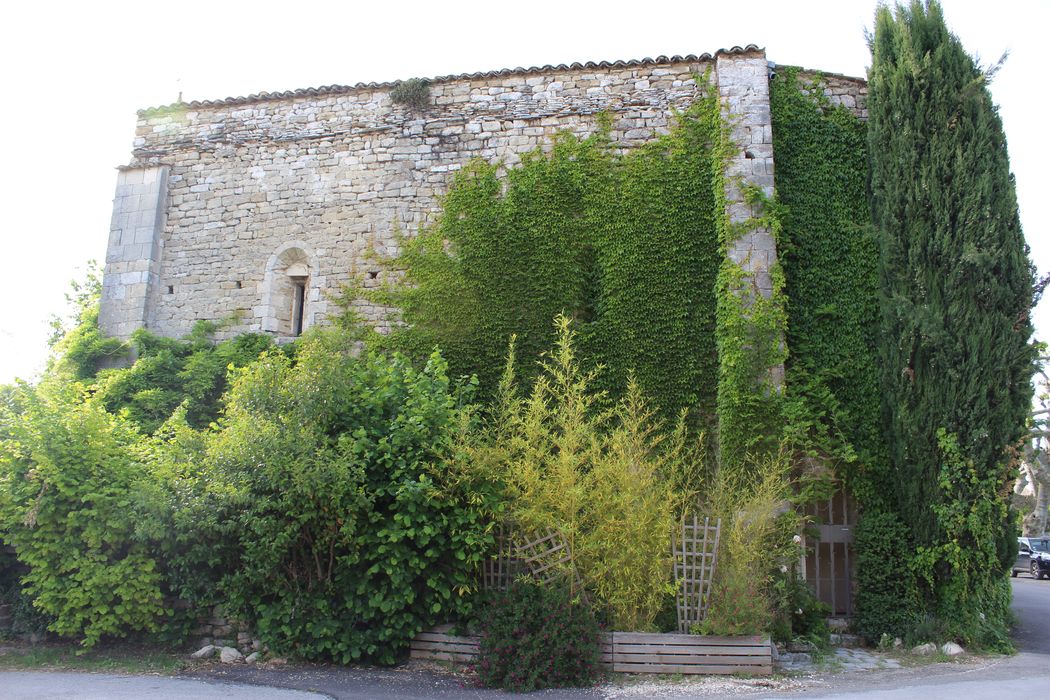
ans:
(632, 652)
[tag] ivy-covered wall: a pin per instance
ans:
(626, 244)
(830, 258)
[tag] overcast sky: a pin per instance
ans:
(74, 75)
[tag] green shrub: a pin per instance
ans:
(413, 93)
(169, 372)
(538, 637)
(76, 503)
(25, 618)
(325, 480)
(887, 597)
(166, 372)
(80, 349)
(797, 613)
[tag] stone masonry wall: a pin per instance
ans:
(134, 250)
(851, 93)
(257, 195)
(324, 178)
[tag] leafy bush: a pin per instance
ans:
(169, 372)
(76, 503)
(538, 637)
(166, 371)
(797, 613)
(25, 619)
(79, 346)
(887, 597)
(324, 480)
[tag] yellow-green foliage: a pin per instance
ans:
(752, 501)
(633, 502)
(557, 436)
(608, 481)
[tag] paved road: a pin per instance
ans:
(90, 686)
(1032, 607)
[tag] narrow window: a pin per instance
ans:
(298, 304)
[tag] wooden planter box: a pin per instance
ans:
(439, 645)
(633, 652)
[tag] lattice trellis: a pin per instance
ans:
(544, 559)
(695, 549)
(548, 557)
(500, 570)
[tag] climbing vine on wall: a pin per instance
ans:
(830, 260)
(503, 259)
(625, 244)
(658, 260)
(750, 336)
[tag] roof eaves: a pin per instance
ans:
(343, 89)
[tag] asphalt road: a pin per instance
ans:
(1006, 677)
(1032, 607)
(18, 685)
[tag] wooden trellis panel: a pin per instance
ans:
(695, 549)
(544, 559)
(547, 558)
(499, 571)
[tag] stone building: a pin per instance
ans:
(255, 211)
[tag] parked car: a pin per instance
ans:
(1033, 556)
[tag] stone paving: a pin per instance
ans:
(838, 660)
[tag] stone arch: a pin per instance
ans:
(291, 290)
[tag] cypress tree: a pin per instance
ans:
(956, 292)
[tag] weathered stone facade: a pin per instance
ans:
(230, 209)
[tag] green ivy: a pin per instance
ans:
(658, 260)
(750, 336)
(625, 244)
(830, 259)
(964, 569)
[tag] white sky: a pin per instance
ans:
(75, 73)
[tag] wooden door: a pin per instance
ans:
(829, 559)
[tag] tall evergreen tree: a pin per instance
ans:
(956, 294)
